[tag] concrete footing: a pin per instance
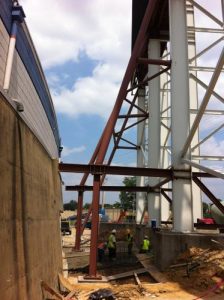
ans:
(169, 245)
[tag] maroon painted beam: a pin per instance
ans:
(133, 116)
(136, 53)
(105, 188)
(127, 147)
(94, 229)
(209, 194)
(166, 196)
(202, 174)
(158, 62)
(114, 170)
(145, 81)
(79, 221)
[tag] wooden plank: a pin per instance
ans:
(51, 290)
(70, 295)
(153, 271)
(137, 279)
(65, 283)
(126, 274)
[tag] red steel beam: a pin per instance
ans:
(115, 170)
(127, 147)
(106, 188)
(108, 131)
(79, 221)
(209, 194)
(132, 103)
(94, 229)
(136, 53)
(158, 62)
(145, 81)
(166, 196)
(133, 116)
(202, 174)
(127, 141)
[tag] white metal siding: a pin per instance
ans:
(22, 89)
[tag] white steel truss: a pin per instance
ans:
(191, 109)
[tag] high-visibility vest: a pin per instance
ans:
(129, 239)
(111, 241)
(146, 244)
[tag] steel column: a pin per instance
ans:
(79, 221)
(196, 195)
(182, 193)
(165, 131)
(140, 180)
(154, 128)
(94, 229)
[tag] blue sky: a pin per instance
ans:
(84, 47)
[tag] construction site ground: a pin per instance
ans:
(196, 274)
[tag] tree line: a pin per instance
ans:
(126, 199)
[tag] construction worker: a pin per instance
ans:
(111, 245)
(145, 247)
(129, 239)
(101, 250)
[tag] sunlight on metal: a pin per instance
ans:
(205, 169)
(206, 49)
(207, 137)
(204, 103)
(208, 157)
(205, 86)
(202, 9)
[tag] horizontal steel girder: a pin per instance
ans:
(104, 188)
(114, 170)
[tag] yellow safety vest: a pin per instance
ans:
(146, 244)
(129, 239)
(111, 241)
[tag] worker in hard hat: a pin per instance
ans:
(129, 239)
(146, 245)
(111, 245)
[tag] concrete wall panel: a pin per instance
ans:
(30, 195)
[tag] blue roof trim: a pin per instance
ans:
(28, 58)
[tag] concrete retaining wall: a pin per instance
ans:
(167, 246)
(30, 196)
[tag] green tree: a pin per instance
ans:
(86, 206)
(127, 199)
(117, 204)
(72, 205)
(206, 210)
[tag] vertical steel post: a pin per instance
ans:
(94, 228)
(17, 18)
(164, 157)
(196, 195)
(154, 128)
(182, 193)
(79, 221)
(140, 180)
(12, 44)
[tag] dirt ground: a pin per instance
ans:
(196, 274)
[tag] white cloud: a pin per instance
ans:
(68, 151)
(100, 29)
(212, 147)
(61, 29)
